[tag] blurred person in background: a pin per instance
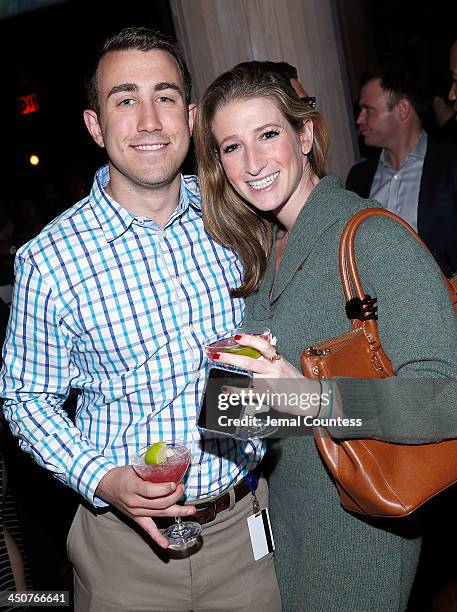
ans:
(290, 72)
(413, 175)
(444, 125)
(29, 220)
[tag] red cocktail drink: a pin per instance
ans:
(173, 470)
(182, 534)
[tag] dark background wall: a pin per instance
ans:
(421, 31)
(45, 52)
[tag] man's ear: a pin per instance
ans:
(93, 126)
(192, 111)
(403, 109)
(306, 136)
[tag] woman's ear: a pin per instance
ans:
(306, 136)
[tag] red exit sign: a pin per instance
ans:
(28, 104)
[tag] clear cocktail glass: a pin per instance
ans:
(261, 429)
(229, 345)
(183, 533)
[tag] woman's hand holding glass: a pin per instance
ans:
(273, 374)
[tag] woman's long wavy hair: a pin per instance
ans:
(228, 218)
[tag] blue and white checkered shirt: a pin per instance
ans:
(119, 308)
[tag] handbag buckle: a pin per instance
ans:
(315, 352)
(363, 310)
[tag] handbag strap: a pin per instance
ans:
(350, 278)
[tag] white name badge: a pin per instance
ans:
(261, 535)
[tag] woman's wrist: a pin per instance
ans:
(329, 390)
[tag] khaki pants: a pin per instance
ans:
(117, 569)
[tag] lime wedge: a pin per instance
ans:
(156, 453)
(246, 351)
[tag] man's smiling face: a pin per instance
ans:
(144, 122)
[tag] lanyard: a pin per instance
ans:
(252, 481)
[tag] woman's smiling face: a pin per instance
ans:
(262, 155)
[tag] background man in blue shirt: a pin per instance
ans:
(116, 298)
(414, 175)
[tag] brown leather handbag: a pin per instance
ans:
(373, 477)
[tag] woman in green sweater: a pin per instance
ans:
(261, 154)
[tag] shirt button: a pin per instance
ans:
(191, 329)
(199, 467)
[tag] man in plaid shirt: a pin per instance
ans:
(116, 298)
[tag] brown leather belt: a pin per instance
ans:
(209, 510)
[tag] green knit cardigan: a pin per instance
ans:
(328, 559)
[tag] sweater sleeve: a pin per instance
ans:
(418, 330)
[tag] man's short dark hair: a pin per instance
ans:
(400, 80)
(286, 70)
(140, 39)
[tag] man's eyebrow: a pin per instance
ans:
(168, 85)
(122, 87)
(162, 86)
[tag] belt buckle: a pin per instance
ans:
(205, 507)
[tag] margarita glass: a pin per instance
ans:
(229, 345)
(183, 533)
(257, 427)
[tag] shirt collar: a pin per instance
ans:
(114, 219)
(417, 152)
(189, 195)
(420, 148)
